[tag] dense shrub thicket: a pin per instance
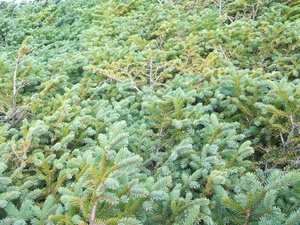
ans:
(150, 112)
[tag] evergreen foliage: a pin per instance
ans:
(150, 112)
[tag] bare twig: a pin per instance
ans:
(94, 210)
(294, 126)
(160, 2)
(16, 113)
(14, 102)
(230, 18)
(254, 10)
(220, 8)
(223, 52)
(247, 217)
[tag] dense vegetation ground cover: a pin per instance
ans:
(150, 112)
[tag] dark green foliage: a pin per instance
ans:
(149, 112)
